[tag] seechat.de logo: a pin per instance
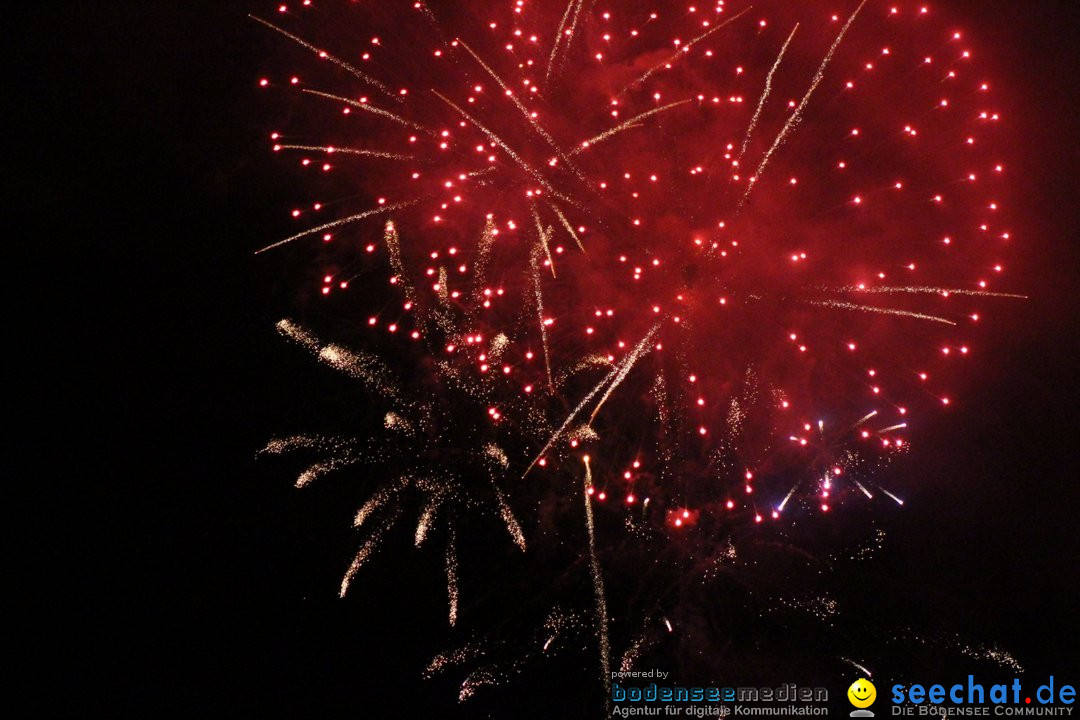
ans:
(862, 694)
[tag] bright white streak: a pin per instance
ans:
(787, 497)
(864, 418)
(898, 500)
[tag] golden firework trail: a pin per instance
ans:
(377, 501)
(299, 335)
(339, 223)
(356, 72)
(558, 40)
(566, 224)
(625, 125)
(565, 35)
(443, 290)
(368, 107)
(393, 248)
(796, 116)
(570, 418)
(368, 369)
(930, 290)
(766, 92)
(423, 525)
(538, 295)
(512, 525)
(617, 373)
(544, 236)
(686, 48)
(525, 112)
(624, 370)
(633, 652)
(331, 150)
(366, 550)
(839, 305)
(362, 366)
(314, 472)
(533, 172)
(480, 263)
(598, 585)
(452, 576)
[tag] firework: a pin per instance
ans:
(731, 251)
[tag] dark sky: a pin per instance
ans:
(164, 569)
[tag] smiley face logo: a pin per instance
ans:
(862, 693)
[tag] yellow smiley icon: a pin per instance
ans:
(862, 693)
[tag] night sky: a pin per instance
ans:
(161, 568)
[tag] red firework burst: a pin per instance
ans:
(772, 227)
